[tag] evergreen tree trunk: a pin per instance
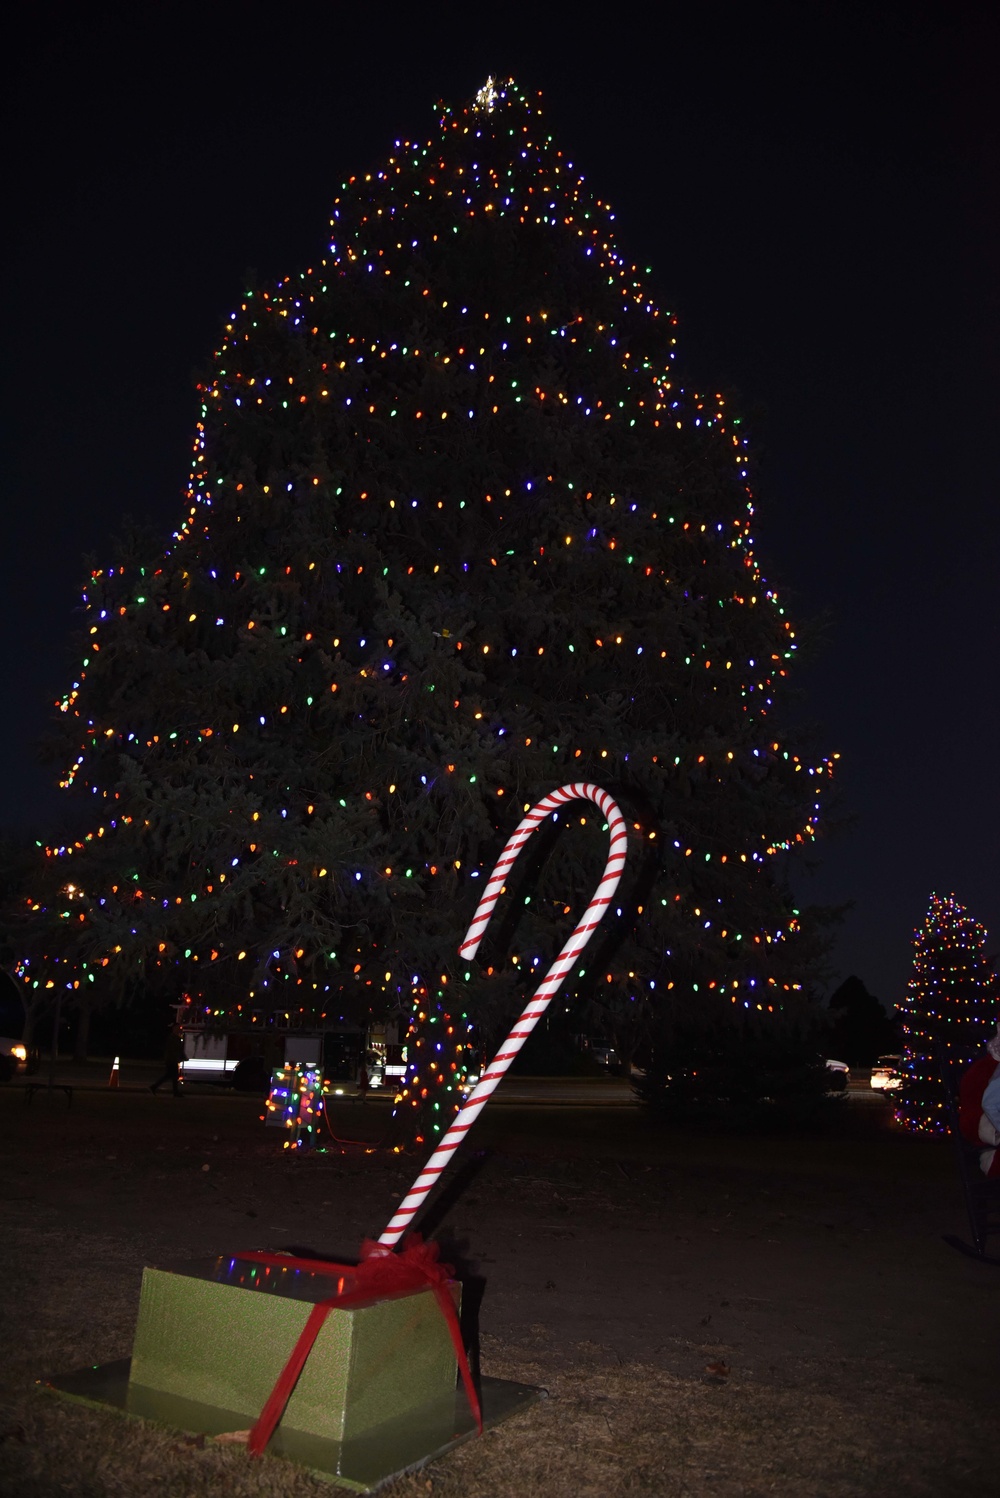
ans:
(82, 1036)
(34, 1011)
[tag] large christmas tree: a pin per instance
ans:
(455, 535)
(949, 1010)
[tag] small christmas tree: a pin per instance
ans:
(454, 536)
(949, 1009)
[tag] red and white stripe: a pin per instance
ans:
(548, 987)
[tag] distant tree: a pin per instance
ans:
(861, 1029)
(949, 1009)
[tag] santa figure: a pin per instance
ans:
(979, 1106)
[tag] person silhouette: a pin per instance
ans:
(173, 1055)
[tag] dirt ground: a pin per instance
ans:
(739, 1316)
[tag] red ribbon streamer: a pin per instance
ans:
(380, 1272)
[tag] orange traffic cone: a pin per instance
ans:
(113, 1079)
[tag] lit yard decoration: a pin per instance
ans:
(295, 1103)
(349, 1370)
(448, 502)
(367, 1392)
(543, 994)
(947, 1011)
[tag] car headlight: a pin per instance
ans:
(20, 1052)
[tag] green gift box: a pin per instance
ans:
(220, 1331)
(375, 1397)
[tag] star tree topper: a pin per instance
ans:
(487, 96)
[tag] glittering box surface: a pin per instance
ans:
(219, 1331)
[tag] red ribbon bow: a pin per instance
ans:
(380, 1272)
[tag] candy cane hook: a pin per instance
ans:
(542, 996)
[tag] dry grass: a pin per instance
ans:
(608, 1427)
(604, 1431)
(846, 1420)
(610, 1430)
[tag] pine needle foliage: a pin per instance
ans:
(455, 535)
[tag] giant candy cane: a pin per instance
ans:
(548, 987)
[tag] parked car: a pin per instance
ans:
(16, 1057)
(885, 1074)
(838, 1075)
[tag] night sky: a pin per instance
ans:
(815, 188)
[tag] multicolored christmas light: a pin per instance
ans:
(295, 1103)
(949, 1012)
(440, 1058)
(455, 533)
